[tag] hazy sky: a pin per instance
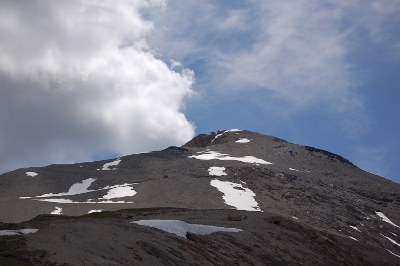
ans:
(84, 80)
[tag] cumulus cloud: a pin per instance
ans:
(78, 78)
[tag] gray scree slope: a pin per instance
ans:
(315, 207)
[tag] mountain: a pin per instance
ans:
(229, 198)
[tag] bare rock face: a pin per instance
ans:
(200, 141)
(233, 197)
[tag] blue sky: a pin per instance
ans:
(106, 78)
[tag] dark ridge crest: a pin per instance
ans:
(330, 155)
(200, 141)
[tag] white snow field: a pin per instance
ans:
(107, 166)
(115, 191)
(75, 189)
(355, 228)
(18, 232)
(236, 195)
(32, 174)
(213, 155)
(393, 253)
(216, 171)
(120, 191)
(57, 211)
(391, 240)
(108, 201)
(57, 200)
(180, 228)
(242, 140)
(93, 211)
(385, 219)
(90, 201)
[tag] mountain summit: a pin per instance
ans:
(227, 198)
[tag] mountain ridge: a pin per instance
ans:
(265, 186)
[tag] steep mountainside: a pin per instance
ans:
(235, 197)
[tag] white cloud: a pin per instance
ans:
(302, 52)
(295, 48)
(234, 20)
(381, 17)
(299, 54)
(78, 78)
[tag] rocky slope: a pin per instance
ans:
(271, 202)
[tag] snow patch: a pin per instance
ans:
(110, 201)
(31, 174)
(107, 166)
(355, 228)
(295, 218)
(242, 140)
(292, 169)
(28, 231)
(391, 240)
(68, 201)
(219, 135)
(18, 232)
(353, 238)
(93, 211)
(56, 200)
(213, 155)
(181, 228)
(120, 191)
(216, 171)
(393, 253)
(57, 211)
(115, 191)
(75, 189)
(385, 219)
(236, 195)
